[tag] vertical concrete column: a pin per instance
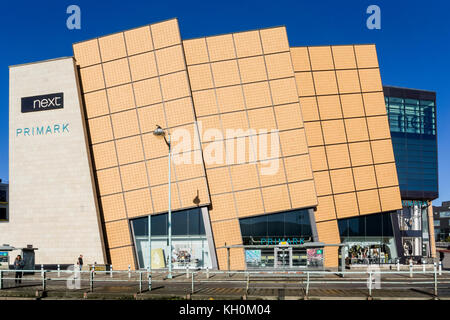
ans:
(431, 230)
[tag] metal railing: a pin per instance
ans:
(298, 279)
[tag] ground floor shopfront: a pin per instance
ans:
(286, 240)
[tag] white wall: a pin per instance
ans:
(51, 197)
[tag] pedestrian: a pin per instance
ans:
(18, 266)
(80, 262)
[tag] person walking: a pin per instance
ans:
(80, 262)
(18, 266)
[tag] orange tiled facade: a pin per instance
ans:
(348, 134)
(323, 106)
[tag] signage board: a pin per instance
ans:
(44, 102)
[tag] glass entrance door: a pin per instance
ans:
(283, 257)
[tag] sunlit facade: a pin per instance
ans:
(279, 155)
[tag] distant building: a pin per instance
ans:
(441, 217)
(4, 196)
(412, 120)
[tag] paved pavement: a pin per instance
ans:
(222, 286)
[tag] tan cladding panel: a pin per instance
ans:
(86, 53)
(249, 203)
(122, 257)
(138, 203)
(222, 207)
(325, 209)
(226, 233)
(117, 233)
(321, 58)
(344, 57)
(165, 33)
(234, 259)
(328, 232)
(112, 47)
(113, 207)
(366, 56)
(390, 199)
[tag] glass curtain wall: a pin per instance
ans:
(271, 240)
(370, 239)
(413, 226)
(413, 129)
(189, 243)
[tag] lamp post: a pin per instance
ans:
(160, 132)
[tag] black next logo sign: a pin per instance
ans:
(44, 102)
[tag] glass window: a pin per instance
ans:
(290, 226)
(196, 225)
(373, 225)
(369, 239)
(444, 214)
(412, 101)
(159, 225)
(140, 226)
(395, 100)
(275, 225)
(184, 223)
(427, 103)
(189, 243)
(180, 223)
(3, 214)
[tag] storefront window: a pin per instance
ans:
(413, 227)
(410, 219)
(189, 242)
(273, 241)
(369, 239)
(292, 227)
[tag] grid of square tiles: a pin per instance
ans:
(245, 81)
(133, 81)
(348, 135)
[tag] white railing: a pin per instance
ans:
(304, 279)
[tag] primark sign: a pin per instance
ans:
(45, 102)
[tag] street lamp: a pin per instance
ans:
(160, 132)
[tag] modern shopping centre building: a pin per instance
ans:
(280, 156)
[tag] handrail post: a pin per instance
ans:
(307, 284)
(410, 269)
(43, 280)
(435, 281)
(149, 281)
(91, 281)
(248, 283)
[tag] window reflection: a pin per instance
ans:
(290, 226)
(189, 242)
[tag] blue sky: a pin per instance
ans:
(413, 43)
